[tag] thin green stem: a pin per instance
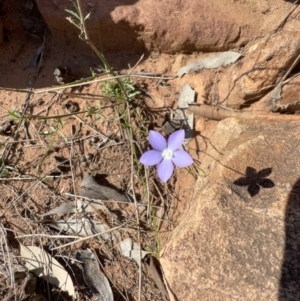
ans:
(94, 48)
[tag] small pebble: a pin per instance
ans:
(72, 107)
(89, 157)
(94, 139)
(82, 159)
(84, 164)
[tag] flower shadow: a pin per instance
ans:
(255, 180)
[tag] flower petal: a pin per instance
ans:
(266, 183)
(176, 140)
(243, 181)
(253, 189)
(264, 172)
(182, 158)
(165, 170)
(151, 157)
(157, 141)
(250, 172)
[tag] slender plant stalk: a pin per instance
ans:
(94, 48)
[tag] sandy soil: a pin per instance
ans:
(34, 181)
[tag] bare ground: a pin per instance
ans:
(84, 129)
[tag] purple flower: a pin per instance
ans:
(165, 154)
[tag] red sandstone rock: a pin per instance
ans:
(231, 245)
(265, 62)
(168, 26)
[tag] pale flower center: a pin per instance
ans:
(167, 154)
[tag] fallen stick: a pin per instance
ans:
(218, 113)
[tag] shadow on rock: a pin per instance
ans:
(107, 25)
(290, 272)
(31, 52)
(255, 180)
